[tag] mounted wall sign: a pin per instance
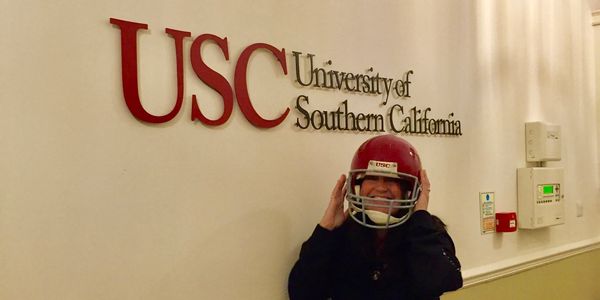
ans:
(397, 119)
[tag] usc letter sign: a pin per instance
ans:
(209, 76)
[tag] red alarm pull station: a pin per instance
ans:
(506, 222)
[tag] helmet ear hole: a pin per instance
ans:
(406, 187)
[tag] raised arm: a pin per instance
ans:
(433, 265)
(310, 277)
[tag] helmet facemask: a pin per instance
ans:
(390, 212)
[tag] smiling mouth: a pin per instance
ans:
(379, 202)
(379, 196)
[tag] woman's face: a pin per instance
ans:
(380, 187)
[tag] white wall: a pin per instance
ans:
(96, 205)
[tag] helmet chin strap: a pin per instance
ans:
(381, 218)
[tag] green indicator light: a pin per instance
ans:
(548, 189)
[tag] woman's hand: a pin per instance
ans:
(423, 200)
(334, 214)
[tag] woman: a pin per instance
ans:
(390, 247)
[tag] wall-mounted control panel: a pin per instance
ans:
(542, 141)
(541, 197)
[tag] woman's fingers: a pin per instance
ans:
(333, 216)
(423, 201)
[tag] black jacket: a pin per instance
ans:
(415, 261)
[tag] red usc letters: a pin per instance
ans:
(129, 70)
(213, 79)
(241, 89)
(209, 76)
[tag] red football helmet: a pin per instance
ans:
(386, 156)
